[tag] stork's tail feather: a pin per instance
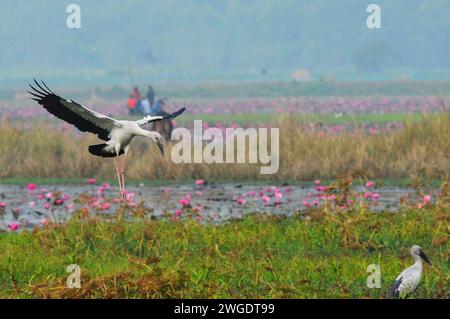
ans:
(393, 292)
(99, 150)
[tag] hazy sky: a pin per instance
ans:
(201, 36)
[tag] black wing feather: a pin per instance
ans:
(56, 106)
(393, 292)
(164, 116)
(175, 114)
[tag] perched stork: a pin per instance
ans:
(116, 133)
(407, 282)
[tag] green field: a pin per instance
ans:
(405, 182)
(267, 118)
(245, 119)
(325, 255)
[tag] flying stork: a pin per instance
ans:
(408, 280)
(117, 134)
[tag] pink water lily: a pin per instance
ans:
(370, 184)
(105, 186)
(426, 199)
(199, 182)
(91, 181)
(3, 204)
(31, 186)
(241, 201)
(265, 199)
(184, 201)
(320, 188)
(14, 226)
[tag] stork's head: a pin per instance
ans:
(417, 252)
(158, 140)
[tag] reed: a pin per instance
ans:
(420, 148)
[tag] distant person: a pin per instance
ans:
(146, 108)
(135, 92)
(151, 95)
(137, 95)
(131, 104)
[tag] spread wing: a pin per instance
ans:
(149, 119)
(81, 117)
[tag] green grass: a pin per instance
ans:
(325, 256)
(268, 118)
(313, 88)
(405, 182)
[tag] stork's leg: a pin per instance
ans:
(122, 173)
(118, 179)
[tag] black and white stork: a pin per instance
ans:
(408, 280)
(117, 134)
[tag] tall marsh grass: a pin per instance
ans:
(419, 149)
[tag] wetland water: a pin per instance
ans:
(217, 202)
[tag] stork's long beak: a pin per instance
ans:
(161, 148)
(424, 257)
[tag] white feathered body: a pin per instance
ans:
(122, 134)
(409, 279)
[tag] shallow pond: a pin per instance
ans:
(218, 202)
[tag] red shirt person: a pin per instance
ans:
(131, 104)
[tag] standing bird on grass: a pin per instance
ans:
(407, 282)
(117, 134)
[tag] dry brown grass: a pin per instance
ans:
(419, 149)
(119, 285)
